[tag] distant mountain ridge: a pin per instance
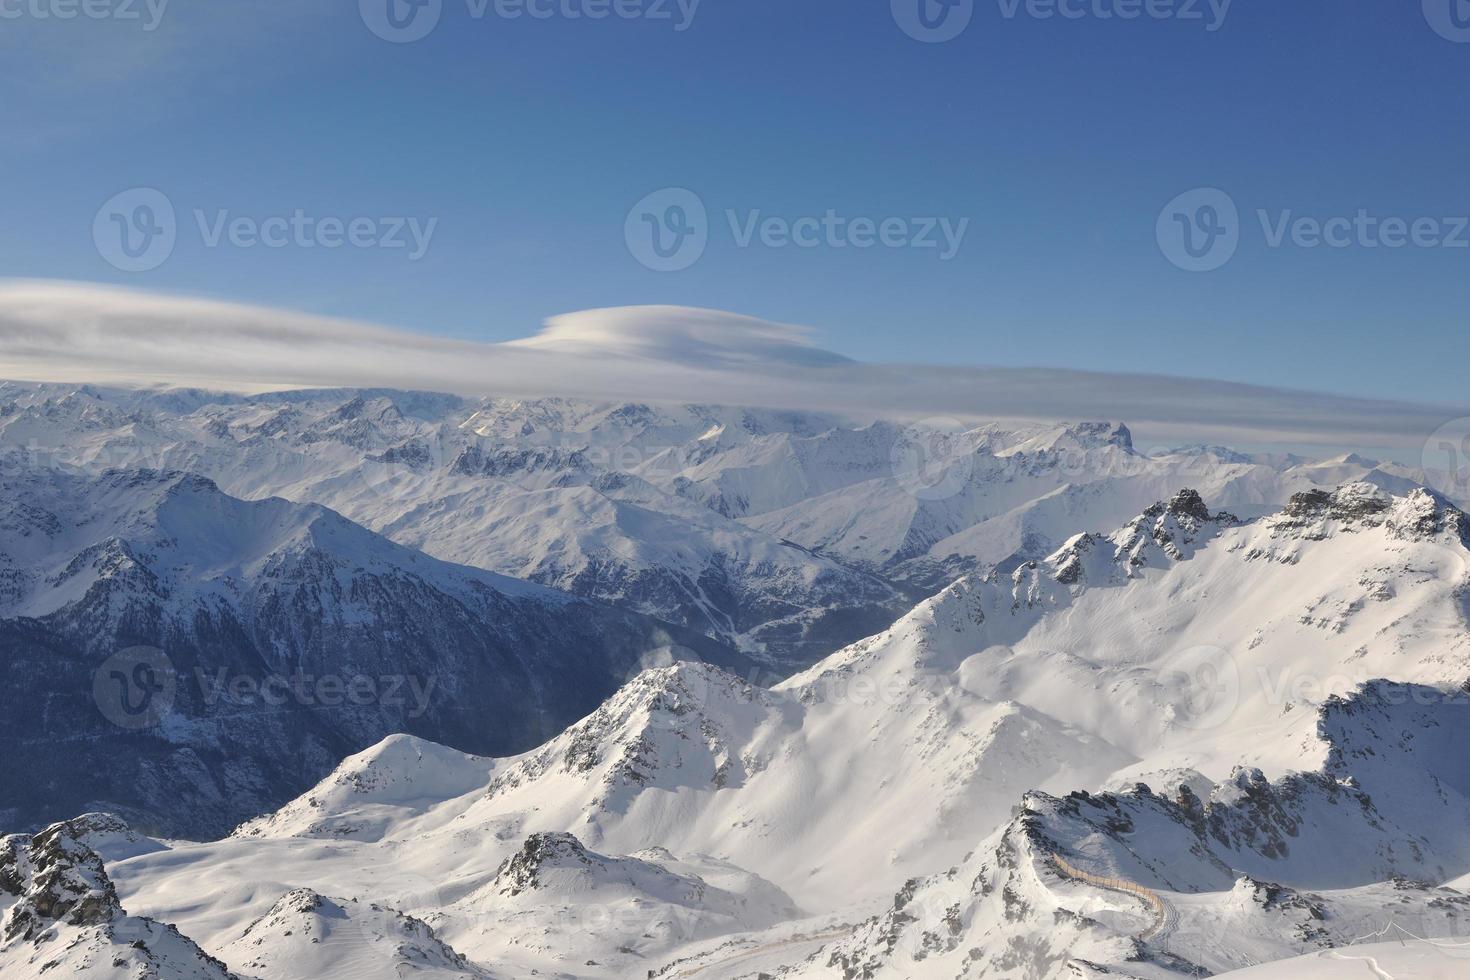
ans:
(282, 637)
(785, 534)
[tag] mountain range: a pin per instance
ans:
(187, 659)
(717, 692)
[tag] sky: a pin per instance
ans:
(1033, 177)
(71, 333)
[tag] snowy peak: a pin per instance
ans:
(683, 698)
(1169, 532)
(670, 727)
(1188, 505)
(184, 537)
(306, 934)
(1107, 434)
(109, 836)
(559, 863)
(1174, 531)
(540, 854)
(1352, 503)
(396, 779)
(1076, 437)
(1164, 534)
(557, 867)
(1004, 606)
(60, 911)
(55, 878)
(1416, 515)
(1425, 515)
(555, 906)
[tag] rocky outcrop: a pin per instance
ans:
(1419, 514)
(1166, 532)
(521, 872)
(64, 913)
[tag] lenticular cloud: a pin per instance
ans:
(77, 332)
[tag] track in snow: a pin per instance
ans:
(760, 950)
(1165, 917)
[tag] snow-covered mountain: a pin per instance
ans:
(785, 534)
(60, 916)
(567, 495)
(730, 692)
(1185, 884)
(190, 659)
(1160, 751)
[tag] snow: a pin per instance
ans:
(1434, 959)
(1180, 691)
(787, 534)
(909, 751)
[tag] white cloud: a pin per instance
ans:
(70, 332)
(708, 338)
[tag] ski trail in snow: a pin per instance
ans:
(1367, 961)
(1165, 918)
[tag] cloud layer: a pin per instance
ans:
(60, 331)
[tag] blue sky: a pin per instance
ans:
(528, 141)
